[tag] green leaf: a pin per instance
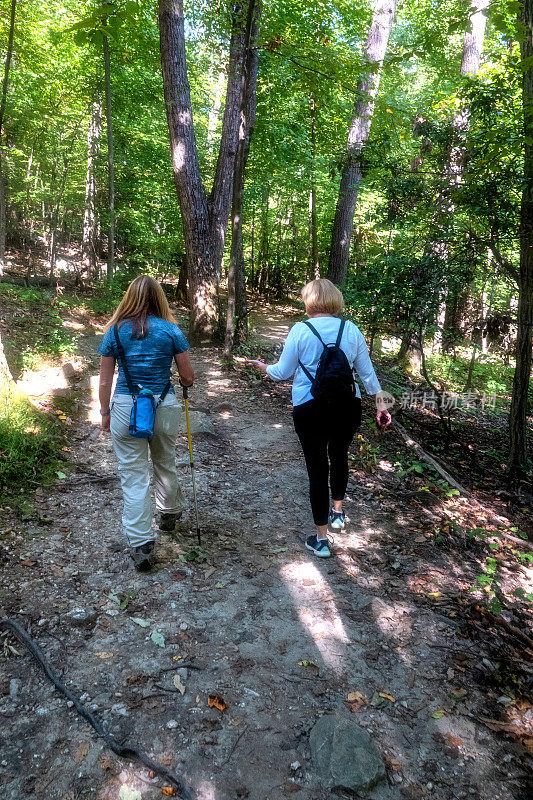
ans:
(143, 623)
(157, 638)
(61, 475)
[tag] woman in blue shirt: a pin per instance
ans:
(325, 428)
(151, 340)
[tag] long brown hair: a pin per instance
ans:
(144, 297)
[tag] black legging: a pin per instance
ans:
(326, 428)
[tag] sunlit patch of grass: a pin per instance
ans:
(29, 444)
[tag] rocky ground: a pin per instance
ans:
(375, 637)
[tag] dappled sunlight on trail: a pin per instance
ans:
(317, 611)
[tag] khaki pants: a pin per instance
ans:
(134, 469)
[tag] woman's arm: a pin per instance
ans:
(185, 369)
(285, 368)
(365, 370)
(107, 370)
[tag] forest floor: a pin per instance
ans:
(388, 631)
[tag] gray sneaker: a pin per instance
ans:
(143, 556)
(167, 522)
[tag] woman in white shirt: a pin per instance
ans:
(325, 427)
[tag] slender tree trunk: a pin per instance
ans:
(110, 159)
(237, 316)
(204, 219)
(519, 403)
(3, 192)
(352, 173)
(214, 110)
(252, 248)
(315, 261)
(89, 216)
(181, 289)
(54, 223)
(262, 278)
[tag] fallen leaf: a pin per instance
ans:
(420, 539)
(438, 714)
(528, 744)
(27, 562)
(387, 696)
(180, 686)
(104, 654)
(144, 623)
(356, 700)
(458, 693)
(209, 572)
(157, 638)
(279, 549)
(82, 751)
(216, 701)
(168, 791)
(308, 664)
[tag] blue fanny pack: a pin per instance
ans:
(142, 417)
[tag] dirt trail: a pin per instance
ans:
(280, 636)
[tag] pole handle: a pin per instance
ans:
(185, 392)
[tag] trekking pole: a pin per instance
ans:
(189, 439)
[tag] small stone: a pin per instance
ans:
(82, 617)
(14, 686)
(183, 626)
(112, 612)
(172, 723)
(295, 765)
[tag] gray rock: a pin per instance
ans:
(14, 687)
(200, 424)
(82, 617)
(344, 756)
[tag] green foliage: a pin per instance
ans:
(29, 444)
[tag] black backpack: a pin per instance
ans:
(334, 376)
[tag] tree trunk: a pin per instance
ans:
(3, 192)
(204, 219)
(110, 159)
(89, 216)
(315, 262)
(181, 289)
(237, 316)
(519, 403)
(54, 222)
(352, 173)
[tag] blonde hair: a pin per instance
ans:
(144, 297)
(322, 297)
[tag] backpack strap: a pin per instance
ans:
(306, 322)
(122, 358)
(164, 393)
(308, 374)
(339, 335)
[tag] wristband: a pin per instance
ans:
(105, 413)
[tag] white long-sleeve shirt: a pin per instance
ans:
(302, 345)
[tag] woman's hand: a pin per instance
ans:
(259, 365)
(384, 401)
(105, 422)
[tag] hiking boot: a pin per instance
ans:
(320, 547)
(337, 520)
(167, 522)
(143, 556)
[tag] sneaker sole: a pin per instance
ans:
(337, 528)
(319, 555)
